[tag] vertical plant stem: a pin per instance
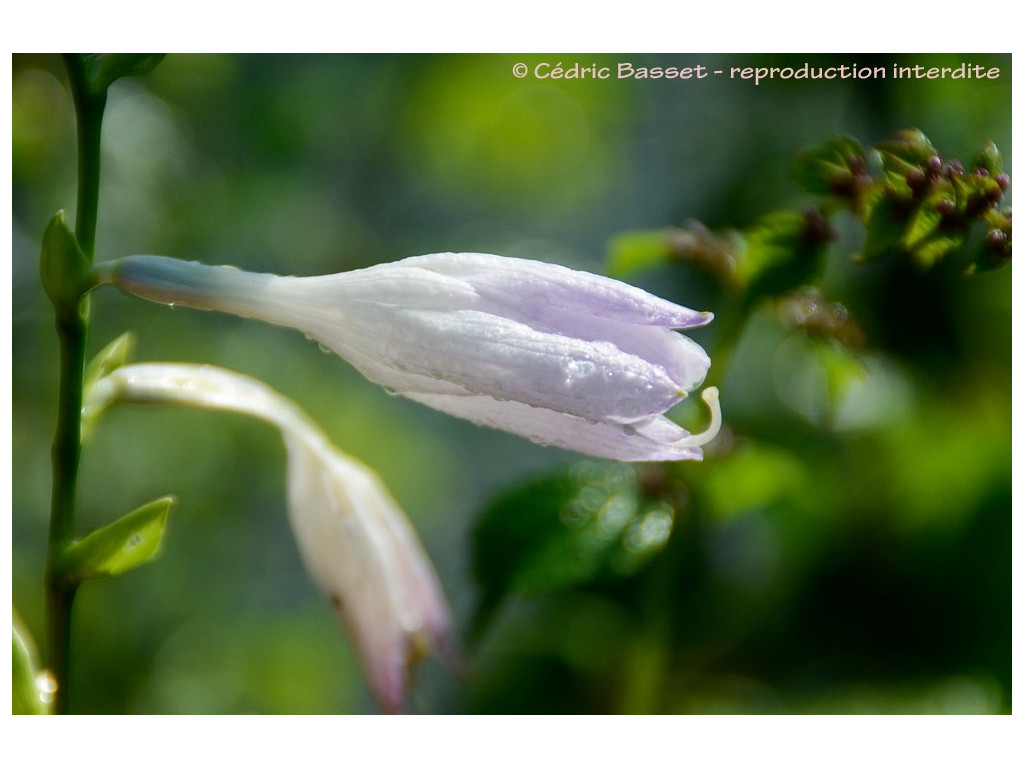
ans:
(72, 330)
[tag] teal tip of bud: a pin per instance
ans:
(175, 281)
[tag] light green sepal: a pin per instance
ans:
(64, 267)
(124, 544)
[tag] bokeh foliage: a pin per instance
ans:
(844, 548)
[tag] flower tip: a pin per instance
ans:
(710, 396)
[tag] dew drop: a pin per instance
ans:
(46, 686)
(410, 622)
(580, 366)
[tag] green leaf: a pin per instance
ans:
(64, 267)
(28, 697)
(784, 251)
(830, 168)
(590, 523)
(127, 543)
(989, 159)
(924, 221)
(909, 151)
(997, 247)
(102, 69)
(110, 358)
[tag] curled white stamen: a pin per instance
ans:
(709, 396)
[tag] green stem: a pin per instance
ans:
(89, 108)
(72, 330)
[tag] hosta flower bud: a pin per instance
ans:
(559, 356)
(354, 539)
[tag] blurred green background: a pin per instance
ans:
(858, 562)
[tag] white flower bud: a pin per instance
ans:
(355, 541)
(559, 356)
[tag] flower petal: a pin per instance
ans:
(652, 439)
(533, 285)
(486, 354)
(361, 552)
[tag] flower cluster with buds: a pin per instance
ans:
(559, 356)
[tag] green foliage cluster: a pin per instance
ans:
(844, 546)
(724, 599)
(918, 207)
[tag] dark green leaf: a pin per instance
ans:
(923, 223)
(884, 224)
(938, 247)
(587, 524)
(830, 168)
(918, 230)
(124, 544)
(784, 251)
(909, 152)
(974, 194)
(997, 247)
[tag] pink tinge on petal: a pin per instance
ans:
(362, 553)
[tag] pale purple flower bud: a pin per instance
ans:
(559, 356)
(355, 541)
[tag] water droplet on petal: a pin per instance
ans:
(580, 366)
